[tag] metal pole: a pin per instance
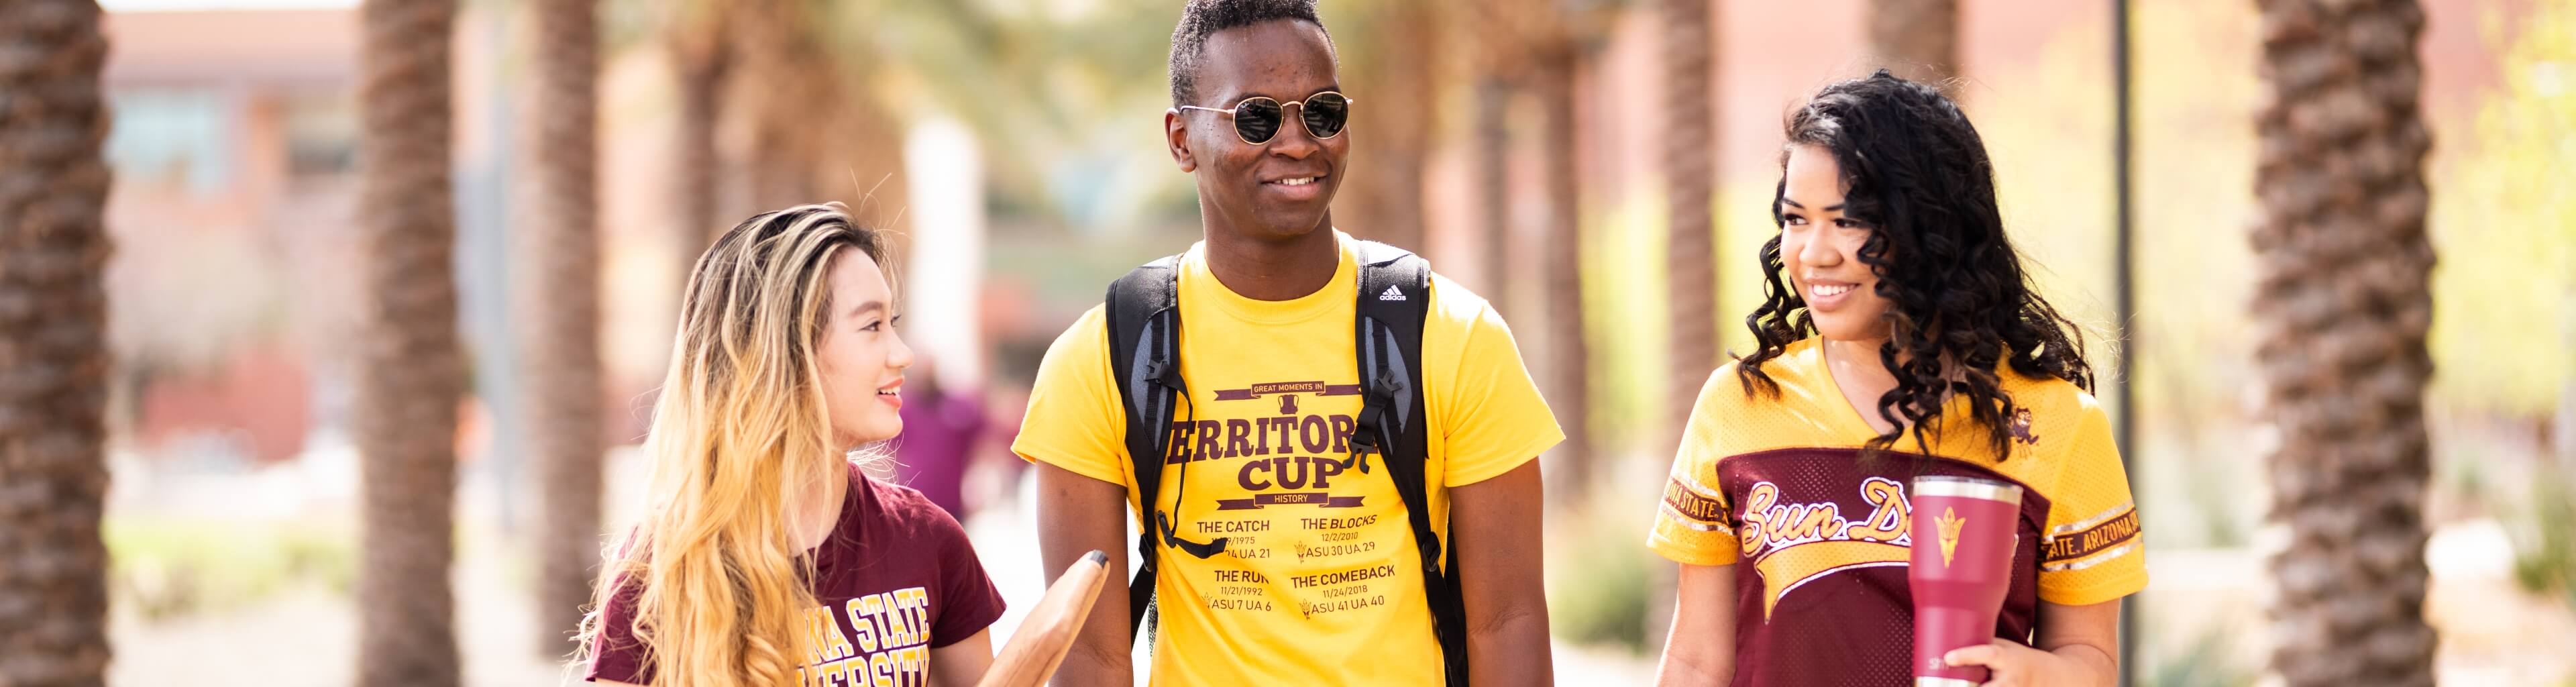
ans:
(2124, 421)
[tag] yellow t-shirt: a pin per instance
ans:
(1320, 581)
(1777, 482)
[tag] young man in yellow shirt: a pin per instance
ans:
(1296, 461)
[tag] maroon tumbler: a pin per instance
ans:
(1964, 536)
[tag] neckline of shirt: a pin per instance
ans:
(1340, 290)
(1848, 422)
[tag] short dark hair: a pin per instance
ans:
(1199, 18)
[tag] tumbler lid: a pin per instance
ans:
(1967, 487)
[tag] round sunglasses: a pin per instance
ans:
(1257, 119)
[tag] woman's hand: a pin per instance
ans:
(2015, 665)
(2076, 649)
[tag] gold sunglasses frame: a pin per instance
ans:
(1347, 101)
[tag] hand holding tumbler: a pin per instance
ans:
(1963, 532)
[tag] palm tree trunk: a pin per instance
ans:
(1395, 119)
(789, 80)
(1690, 178)
(2344, 264)
(558, 313)
(1552, 83)
(1493, 188)
(1917, 39)
(411, 366)
(53, 348)
(784, 169)
(701, 70)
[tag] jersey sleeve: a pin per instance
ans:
(1694, 520)
(2093, 550)
(1493, 419)
(1073, 419)
(1693, 523)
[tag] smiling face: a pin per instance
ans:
(1282, 188)
(860, 357)
(1820, 250)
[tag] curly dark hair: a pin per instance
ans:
(1960, 303)
(1200, 18)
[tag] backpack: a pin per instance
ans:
(1144, 324)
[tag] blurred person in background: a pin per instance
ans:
(941, 431)
(765, 557)
(1907, 340)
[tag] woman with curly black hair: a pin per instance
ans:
(1899, 336)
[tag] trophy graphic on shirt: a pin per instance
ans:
(1961, 567)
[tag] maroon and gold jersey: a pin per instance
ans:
(1778, 483)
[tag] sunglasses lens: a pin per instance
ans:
(1325, 114)
(1257, 119)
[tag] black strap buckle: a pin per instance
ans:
(1367, 439)
(1164, 374)
(1172, 538)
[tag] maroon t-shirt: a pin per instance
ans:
(897, 577)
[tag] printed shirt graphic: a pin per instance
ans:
(1777, 483)
(1319, 581)
(897, 579)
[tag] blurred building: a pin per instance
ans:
(233, 148)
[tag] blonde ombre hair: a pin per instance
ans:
(717, 581)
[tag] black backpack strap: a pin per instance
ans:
(1394, 302)
(1144, 356)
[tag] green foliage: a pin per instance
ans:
(1624, 310)
(2544, 538)
(165, 568)
(2504, 225)
(2049, 129)
(1626, 301)
(1599, 581)
(1066, 97)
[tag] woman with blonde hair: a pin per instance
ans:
(765, 557)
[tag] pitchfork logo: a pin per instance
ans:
(1951, 523)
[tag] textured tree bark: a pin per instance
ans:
(1690, 181)
(53, 345)
(1493, 189)
(1916, 39)
(1392, 112)
(557, 309)
(1552, 83)
(701, 65)
(2344, 305)
(411, 368)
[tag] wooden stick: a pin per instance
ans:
(1034, 651)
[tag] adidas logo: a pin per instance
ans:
(1391, 294)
